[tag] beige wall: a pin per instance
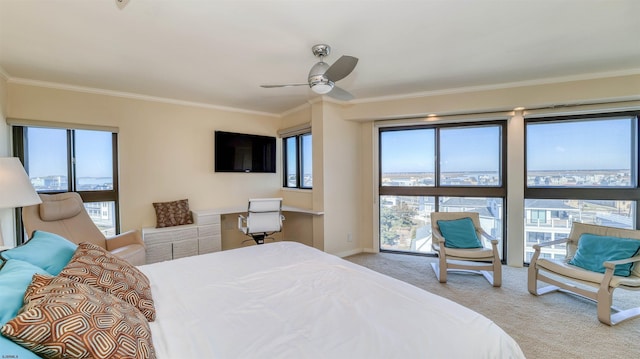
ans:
(497, 99)
(4, 129)
(165, 150)
(340, 174)
(6, 214)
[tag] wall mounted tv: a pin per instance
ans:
(238, 152)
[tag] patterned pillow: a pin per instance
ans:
(74, 320)
(95, 266)
(176, 213)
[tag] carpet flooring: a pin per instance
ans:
(555, 325)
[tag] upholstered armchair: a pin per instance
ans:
(64, 214)
(457, 239)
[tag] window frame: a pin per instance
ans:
(300, 164)
(437, 191)
(597, 193)
(631, 193)
(20, 143)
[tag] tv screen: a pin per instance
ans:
(238, 152)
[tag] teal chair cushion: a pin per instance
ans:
(459, 233)
(593, 250)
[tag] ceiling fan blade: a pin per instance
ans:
(340, 94)
(341, 68)
(285, 85)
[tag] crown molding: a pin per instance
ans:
(502, 86)
(128, 95)
(134, 96)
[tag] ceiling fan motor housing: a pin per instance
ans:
(318, 82)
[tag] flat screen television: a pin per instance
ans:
(239, 152)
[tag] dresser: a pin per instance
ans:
(203, 236)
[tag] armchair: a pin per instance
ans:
(64, 214)
(475, 259)
(264, 217)
(561, 275)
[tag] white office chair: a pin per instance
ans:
(264, 218)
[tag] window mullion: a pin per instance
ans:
(71, 173)
(300, 176)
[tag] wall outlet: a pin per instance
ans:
(349, 237)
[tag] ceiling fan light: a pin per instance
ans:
(322, 88)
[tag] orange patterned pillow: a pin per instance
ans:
(67, 319)
(176, 213)
(95, 266)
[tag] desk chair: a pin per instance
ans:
(264, 218)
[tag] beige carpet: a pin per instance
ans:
(556, 325)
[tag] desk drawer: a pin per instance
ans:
(209, 230)
(169, 234)
(159, 252)
(209, 244)
(204, 219)
(185, 248)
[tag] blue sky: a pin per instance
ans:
(414, 151)
(93, 159)
(598, 144)
(580, 145)
(307, 155)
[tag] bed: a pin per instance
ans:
(288, 300)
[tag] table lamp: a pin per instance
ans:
(16, 189)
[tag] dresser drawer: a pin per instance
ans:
(185, 248)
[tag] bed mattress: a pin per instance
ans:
(288, 300)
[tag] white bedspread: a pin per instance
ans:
(288, 300)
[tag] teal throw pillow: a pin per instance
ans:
(459, 233)
(594, 250)
(48, 251)
(15, 277)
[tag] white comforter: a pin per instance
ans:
(288, 300)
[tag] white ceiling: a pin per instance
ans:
(217, 53)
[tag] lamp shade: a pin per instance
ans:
(15, 188)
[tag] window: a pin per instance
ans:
(298, 169)
(579, 168)
(64, 160)
(424, 169)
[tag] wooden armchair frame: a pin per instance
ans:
(597, 287)
(485, 261)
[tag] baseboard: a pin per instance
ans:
(355, 251)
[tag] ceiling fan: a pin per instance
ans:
(322, 77)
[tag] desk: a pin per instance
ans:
(243, 209)
(205, 235)
(222, 223)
